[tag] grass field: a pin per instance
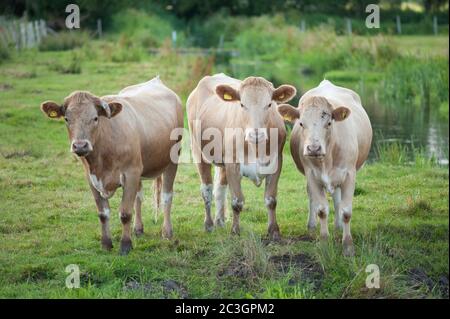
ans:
(49, 220)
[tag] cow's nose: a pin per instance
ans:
(257, 136)
(80, 147)
(314, 149)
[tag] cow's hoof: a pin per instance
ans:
(312, 231)
(348, 248)
(275, 236)
(235, 231)
(219, 222)
(107, 243)
(209, 226)
(167, 233)
(139, 231)
(125, 246)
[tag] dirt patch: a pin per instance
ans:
(289, 240)
(16, 154)
(310, 270)
(5, 87)
(169, 287)
(417, 277)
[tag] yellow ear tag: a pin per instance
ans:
(281, 96)
(344, 115)
(53, 114)
(287, 118)
(227, 97)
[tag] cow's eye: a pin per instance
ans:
(95, 119)
(66, 119)
(242, 105)
(329, 123)
(301, 124)
(270, 104)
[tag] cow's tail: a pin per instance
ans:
(157, 185)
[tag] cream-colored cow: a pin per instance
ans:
(330, 141)
(121, 139)
(221, 106)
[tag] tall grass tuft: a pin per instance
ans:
(63, 41)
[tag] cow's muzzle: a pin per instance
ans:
(81, 147)
(256, 135)
(314, 150)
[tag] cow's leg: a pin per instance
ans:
(130, 189)
(167, 196)
(157, 185)
(206, 189)
(234, 181)
(103, 215)
(337, 213)
(348, 189)
(138, 225)
(220, 195)
(318, 206)
(270, 199)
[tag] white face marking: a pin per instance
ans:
(140, 195)
(206, 191)
(258, 171)
(167, 198)
(98, 185)
(106, 212)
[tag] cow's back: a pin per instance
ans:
(150, 112)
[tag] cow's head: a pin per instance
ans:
(82, 112)
(256, 97)
(316, 118)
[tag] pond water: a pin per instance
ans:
(412, 127)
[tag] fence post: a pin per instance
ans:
(349, 26)
(31, 39)
(399, 25)
(99, 28)
(435, 25)
(302, 26)
(37, 31)
(174, 38)
(221, 42)
(43, 27)
(23, 35)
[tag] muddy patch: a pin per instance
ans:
(5, 87)
(170, 288)
(305, 268)
(417, 277)
(289, 240)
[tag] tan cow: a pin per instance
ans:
(330, 141)
(224, 107)
(121, 139)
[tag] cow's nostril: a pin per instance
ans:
(313, 148)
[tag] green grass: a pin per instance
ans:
(48, 216)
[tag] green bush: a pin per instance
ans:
(146, 29)
(5, 52)
(63, 41)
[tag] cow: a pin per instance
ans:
(330, 142)
(120, 140)
(230, 107)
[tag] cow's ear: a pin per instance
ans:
(108, 110)
(341, 113)
(288, 112)
(284, 93)
(52, 110)
(227, 93)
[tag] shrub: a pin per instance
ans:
(63, 41)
